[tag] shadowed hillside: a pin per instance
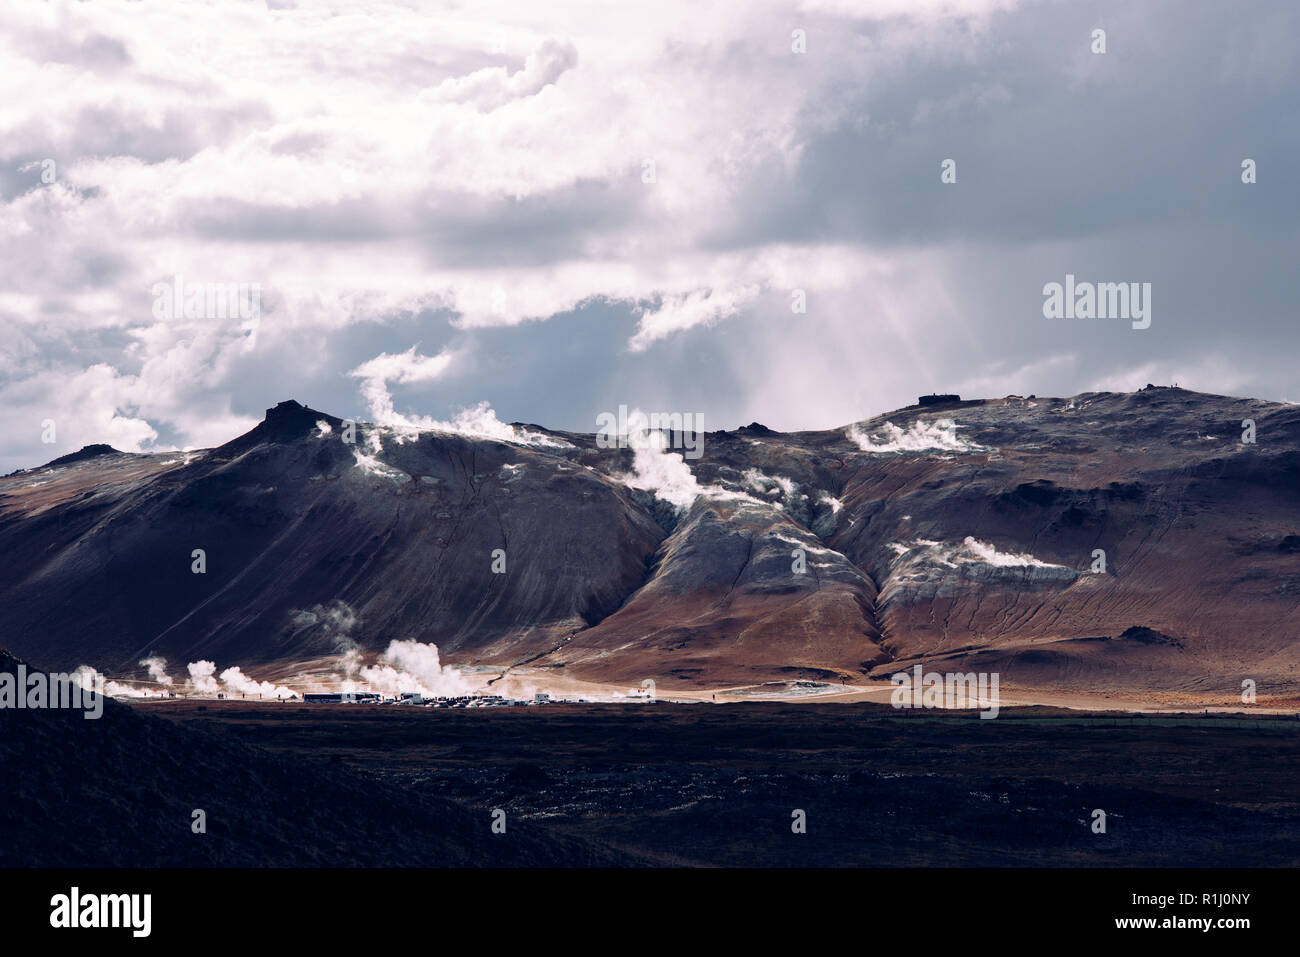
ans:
(120, 791)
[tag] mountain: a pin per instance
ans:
(967, 535)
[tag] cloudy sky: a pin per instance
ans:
(557, 208)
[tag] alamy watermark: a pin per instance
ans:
(946, 690)
(207, 300)
(41, 691)
(624, 430)
(1102, 300)
(133, 912)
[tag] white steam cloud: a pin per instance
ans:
(405, 667)
(409, 666)
(772, 486)
(237, 682)
(201, 680)
(372, 466)
(665, 474)
(921, 436)
(973, 551)
(403, 367)
(85, 676)
(338, 621)
(480, 421)
(157, 670)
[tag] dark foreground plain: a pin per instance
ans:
(665, 784)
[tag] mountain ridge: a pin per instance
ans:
(932, 529)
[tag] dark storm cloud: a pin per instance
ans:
(1052, 141)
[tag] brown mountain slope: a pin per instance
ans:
(968, 534)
